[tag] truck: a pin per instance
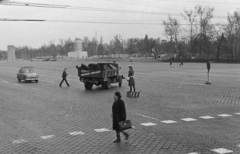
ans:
(103, 74)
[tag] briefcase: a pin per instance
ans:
(123, 125)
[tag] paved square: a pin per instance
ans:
(43, 118)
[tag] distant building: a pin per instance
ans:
(78, 53)
(11, 53)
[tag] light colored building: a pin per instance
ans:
(11, 53)
(78, 53)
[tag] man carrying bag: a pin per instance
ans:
(119, 117)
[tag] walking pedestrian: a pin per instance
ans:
(131, 81)
(118, 115)
(64, 77)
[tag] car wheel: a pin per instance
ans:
(19, 80)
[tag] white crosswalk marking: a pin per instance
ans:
(193, 153)
(237, 113)
(189, 119)
(224, 115)
(47, 137)
(19, 141)
(76, 133)
(102, 130)
(169, 121)
(5, 81)
(206, 117)
(222, 150)
(148, 124)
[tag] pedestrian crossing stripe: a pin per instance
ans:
(224, 115)
(47, 137)
(133, 94)
(222, 150)
(206, 117)
(102, 130)
(148, 124)
(189, 119)
(169, 121)
(19, 141)
(76, 133)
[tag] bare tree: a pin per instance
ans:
(205, 14)
(191, 18)
(172, 31)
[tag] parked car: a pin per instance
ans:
(27, 74)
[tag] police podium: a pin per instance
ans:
(133, 94)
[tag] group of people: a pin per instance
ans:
(131, 81)
(118, 107)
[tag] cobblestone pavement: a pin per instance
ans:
(176, 112)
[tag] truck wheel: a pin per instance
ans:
(88, 85)
(19, 80)
(108, 84)
(120, 82)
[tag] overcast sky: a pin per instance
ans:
(35, 34)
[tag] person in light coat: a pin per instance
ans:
(131, 81)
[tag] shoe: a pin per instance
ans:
(117, 141)
(126, 136)
(60, 86)
(68, 85)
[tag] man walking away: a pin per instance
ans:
(64, 78)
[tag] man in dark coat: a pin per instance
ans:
(131, 81)
(118, 115)
(64, 77)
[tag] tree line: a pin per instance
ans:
(197, 38)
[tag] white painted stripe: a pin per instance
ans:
(102, 130)
(224, 115)
(35, 89)
(47, 137)
(222, 150)
(19, 141)
(148, 124)
(76, 133)
(147, 116)
(193, 153)
(17, 84)
(5, 81)
(237, 113)
(189, 119)
(206, 117)
(169, 121)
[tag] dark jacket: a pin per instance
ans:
(118, 113)
(64, 74)
(131, 81)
